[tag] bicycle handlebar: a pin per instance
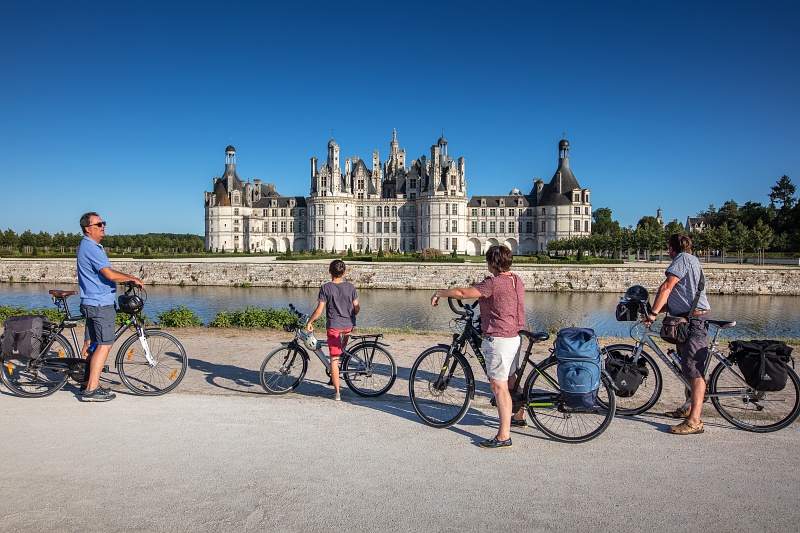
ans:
(468, 309)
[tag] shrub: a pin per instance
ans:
(430, 254)
(179, 317)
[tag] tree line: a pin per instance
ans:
(753, 228)
(160, 243)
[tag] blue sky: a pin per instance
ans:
(126, 108)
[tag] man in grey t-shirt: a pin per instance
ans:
(676, 295)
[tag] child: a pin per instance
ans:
(342, 300)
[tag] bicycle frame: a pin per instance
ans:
(673, 361)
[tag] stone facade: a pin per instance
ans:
(392, 206)
(735, 280)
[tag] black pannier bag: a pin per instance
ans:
(22, 336)
(763, 363)
(627, 310)
(626, 374)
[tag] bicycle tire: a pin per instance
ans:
(280, 374)
(36, 378)
(440, 406)
(752, 410)
(369, 370)
(557, 421)
(648, 392)
(144, 379)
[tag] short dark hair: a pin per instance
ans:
(680, 242)
(499, 257)
(85, 220)
(337, 268)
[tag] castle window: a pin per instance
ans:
(492, 212)
(474, 225)
(512, 227)
(454, 226)
(283, 212)
(483, 227)
(360, 211)
(386, 210)
(543, 226)
(394, 210)
(474, 212)
(502, 212)
(528, 227)
(586, 226)
(577, 226)
(360, 227)
(274, 226)
(502, 227)
(321, 226)
(492, 227)
(236, 211)
(483, 212)
(455, 243)
(302, 212)
(283, 226)
(577, 211)
(455, 209)
(274, 212)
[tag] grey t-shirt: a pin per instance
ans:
(687, 269)
(339, 309)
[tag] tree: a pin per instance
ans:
(760, 238)
(753, 211)
(723, 239)
(783, 193)
(602, 221)
(739, 236)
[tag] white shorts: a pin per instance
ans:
(500, 354)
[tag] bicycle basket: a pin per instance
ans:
(130, 303)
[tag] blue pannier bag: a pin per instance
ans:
(579, 366)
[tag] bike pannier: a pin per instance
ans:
(626, 374)
(627, 310)
(579, 366)
(22, 338)
(674, 329)
(763, 363)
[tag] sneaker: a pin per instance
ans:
(98, 395)
(687, 428)
(680, 412)
(495, 443)
(519, 423)
(337, 397)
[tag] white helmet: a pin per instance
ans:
(311, 342)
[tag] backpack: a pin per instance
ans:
(22, 338)
(579, 366)
(626, 374)
(763, 363)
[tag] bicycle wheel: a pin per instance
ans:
(747, 408)
(547, 410)
(440, 395)
(36, 378)
(283, 369)
(649, 391)
(166, 372)
(369, 370)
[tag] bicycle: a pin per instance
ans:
(442, 385)
(731, 396)
(367, 367)
(150, 362)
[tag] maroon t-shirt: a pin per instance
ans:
(502, 304)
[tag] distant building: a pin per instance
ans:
(695, 224)
(392, 206)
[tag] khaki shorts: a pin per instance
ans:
(500, 354)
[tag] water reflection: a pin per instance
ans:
(757, 316)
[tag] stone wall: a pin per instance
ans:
(617, 278)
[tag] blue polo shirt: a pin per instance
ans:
(96, 289)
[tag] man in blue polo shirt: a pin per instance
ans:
(98, 287)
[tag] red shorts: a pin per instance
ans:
(335, 340)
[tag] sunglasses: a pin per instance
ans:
(99, 224)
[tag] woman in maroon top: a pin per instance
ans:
(502, 302)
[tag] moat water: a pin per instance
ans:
(756, 316)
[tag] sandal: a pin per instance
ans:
(687, 428)
(680, 412)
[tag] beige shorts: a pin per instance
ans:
(500, 354)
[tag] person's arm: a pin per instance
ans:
(463, 293)
(661, 297)
(119, 277)
(315, 315)
(356, 307)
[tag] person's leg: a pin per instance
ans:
(519, 415)
(698, 393)
(96, 365)
(335, 373)
(500, 391)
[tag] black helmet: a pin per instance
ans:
(637, 292)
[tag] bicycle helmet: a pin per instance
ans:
(637, 292)
(311, 342)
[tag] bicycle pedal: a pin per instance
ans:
(105, 369)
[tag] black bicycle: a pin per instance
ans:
(442, 385)
(150, 362)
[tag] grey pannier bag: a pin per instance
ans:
(22, 338)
